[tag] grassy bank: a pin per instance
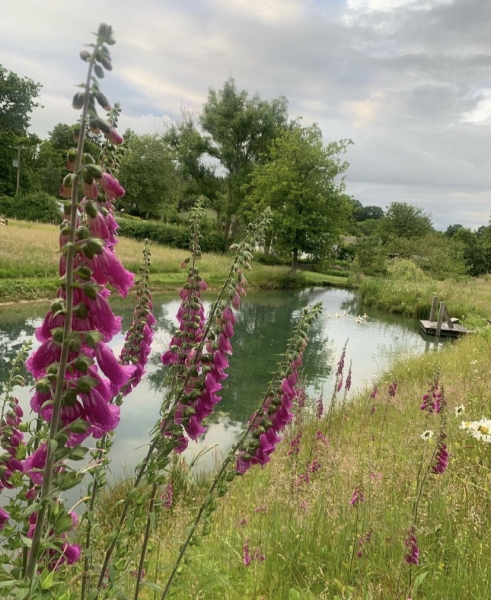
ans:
(301, 514)
(464, 299)
(29, 265)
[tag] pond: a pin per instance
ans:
(264, 324)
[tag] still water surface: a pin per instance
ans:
(263, 327)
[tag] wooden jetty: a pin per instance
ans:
(444, 325)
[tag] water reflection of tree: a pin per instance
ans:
(17, 325)
(264, 325)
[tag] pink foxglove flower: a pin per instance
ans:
(412, 553)
(111, 186)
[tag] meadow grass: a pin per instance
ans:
(296, 512)
(464, 299)
(29, 265)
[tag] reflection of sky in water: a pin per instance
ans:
(372, 345)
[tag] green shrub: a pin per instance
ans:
(36, 206)
(403, 268)
(6, 206)
(271, 260)
(175, 236)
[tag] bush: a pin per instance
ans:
(270, 260)
(402, 268)
(175, 236)
(37, 206)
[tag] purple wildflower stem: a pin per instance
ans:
(390, 394)
(162, 428)
(146, 537)
(233, 452)
(67, 327)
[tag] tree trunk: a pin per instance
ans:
(293, 268)
(219, 217)
(268, 238)
(235, 227)
(226, 232)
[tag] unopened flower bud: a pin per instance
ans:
(84, 55)
(87, 159)
(94, 127)
(106, 63)
(66, 188)
(81, 311)
(56, 307)
(90, 190)
(94, 170)
(99, 71)
(83, 233)
(58, 335)
(70, 397)
(92, 247)
(78, 101)
(104, 30)
(101, 125)
(76, 132)
(83, 272)
(43, 386)
(103, 101)
(91, 210)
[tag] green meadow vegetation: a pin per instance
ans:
(29, 265)
(334, 520)
(384, 495)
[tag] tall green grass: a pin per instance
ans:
(310, 534)
(464, 299)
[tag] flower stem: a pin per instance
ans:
(65, 347)
(231, 455)
(145, 539)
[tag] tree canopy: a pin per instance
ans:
(17, 100)
(238, 131)
(403, 220)
(148, 174)
(300, 183)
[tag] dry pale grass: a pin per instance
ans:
(29, 244)
(24, 244)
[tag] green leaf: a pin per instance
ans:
(47, 579)
(419, 580)
(78, 453)
(22, 594)
(152, 586)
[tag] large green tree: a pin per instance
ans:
(198, 179)
(302, 185)
(149, 176)
(403, 220)
(17, 100)
(238, 131)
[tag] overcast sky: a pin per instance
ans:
(408, 81)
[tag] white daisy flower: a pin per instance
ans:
(459, 410)
(427, 435)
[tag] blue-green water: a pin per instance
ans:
(264, 324)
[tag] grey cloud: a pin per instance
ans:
(400, 83)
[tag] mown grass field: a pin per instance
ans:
(29, 265)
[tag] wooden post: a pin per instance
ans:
(433, 308)
(441, 312)
(449, 320)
